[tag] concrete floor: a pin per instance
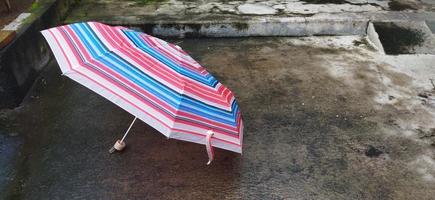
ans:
(326, 118)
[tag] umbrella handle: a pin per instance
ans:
(120, 144)
(209, 146)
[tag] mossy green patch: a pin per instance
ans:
(37, 9)
(34, 6)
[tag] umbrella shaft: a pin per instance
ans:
(125, 134)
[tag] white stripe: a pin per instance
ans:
(60, 58)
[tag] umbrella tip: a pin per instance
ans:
(118, 146)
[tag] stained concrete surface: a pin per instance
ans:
(325, 117)
(227, 18)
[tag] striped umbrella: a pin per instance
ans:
(154, 80)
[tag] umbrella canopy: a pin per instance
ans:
(154, 80)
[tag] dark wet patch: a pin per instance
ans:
(240, 25)
(373, 152)
(424, 95)
(10, 145)
(398, 40)
(191, 30)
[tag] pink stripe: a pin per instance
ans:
(207, 121)
(208, 127)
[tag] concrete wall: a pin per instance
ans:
(24, 58)
(296, 26)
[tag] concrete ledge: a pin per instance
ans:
(241, 26)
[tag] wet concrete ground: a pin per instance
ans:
(325, 117)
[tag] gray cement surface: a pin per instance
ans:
(326, 118)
